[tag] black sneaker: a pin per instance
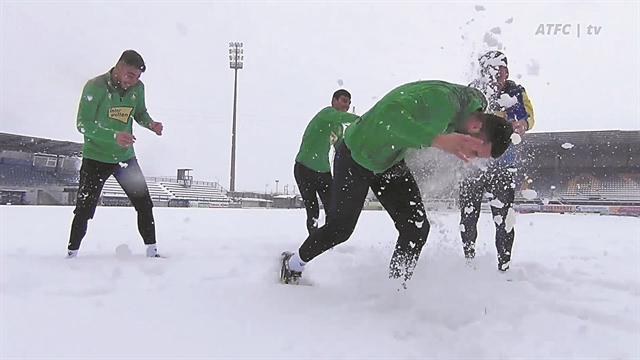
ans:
(288, 276)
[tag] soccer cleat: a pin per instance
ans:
(288, 276)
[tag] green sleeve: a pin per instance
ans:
(431, 118)
(141, 115)
(343, 118)
(87, 121)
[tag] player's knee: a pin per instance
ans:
(142, 204)
(84, 212)
(341, 231)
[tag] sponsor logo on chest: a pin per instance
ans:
(120, 113)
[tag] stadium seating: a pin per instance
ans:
(167, 190)
(113, 189)
(196, 192)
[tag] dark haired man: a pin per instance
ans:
(510, 101)
(109, 105)
(312, 169)
(371, 155)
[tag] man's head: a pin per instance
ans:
(494, 130)
(493, 64)
(128, 69)
(341, 100)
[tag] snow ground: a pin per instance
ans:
(574, 290)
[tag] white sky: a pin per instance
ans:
(295, 54)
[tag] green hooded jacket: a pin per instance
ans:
(105, 110)
(409, 116)
(325, 129)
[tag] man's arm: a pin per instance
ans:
(528, 109)
(141, 115)
(87, 122)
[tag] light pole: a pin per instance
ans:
(277, 181)
(236, 58)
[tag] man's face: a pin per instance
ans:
(497, 76)
(473, 127)
(503, 74)
(342, 103)
(126, 75)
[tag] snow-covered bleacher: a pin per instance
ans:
(170, 189)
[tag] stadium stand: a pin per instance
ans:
(42, 171)
(566, 168)
(589, 167)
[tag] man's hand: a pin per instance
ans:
(156, 127)
(463, 146)
(520, 126)
(125, 139)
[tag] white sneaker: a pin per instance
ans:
(152, 251)
(72, 254)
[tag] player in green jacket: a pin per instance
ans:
(415, 115)
(109, 105)
(312, 169)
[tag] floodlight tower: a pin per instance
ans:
(236, 58)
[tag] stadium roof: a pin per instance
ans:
(31, 144)
(619, 137)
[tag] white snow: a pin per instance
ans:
(529, 194)
(567, 145)
(496, 203)
(510, 221)
(507, 101)
(533, 68)
(516, 139)
(497, 219)
(217, 295)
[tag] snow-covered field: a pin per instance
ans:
(574, 290)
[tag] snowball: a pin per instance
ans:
(507, 101)
(123, 251)
(516, 139)
(529, 194)
(567, 145)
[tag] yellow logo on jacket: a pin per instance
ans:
(120, 113)
(333, 138)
